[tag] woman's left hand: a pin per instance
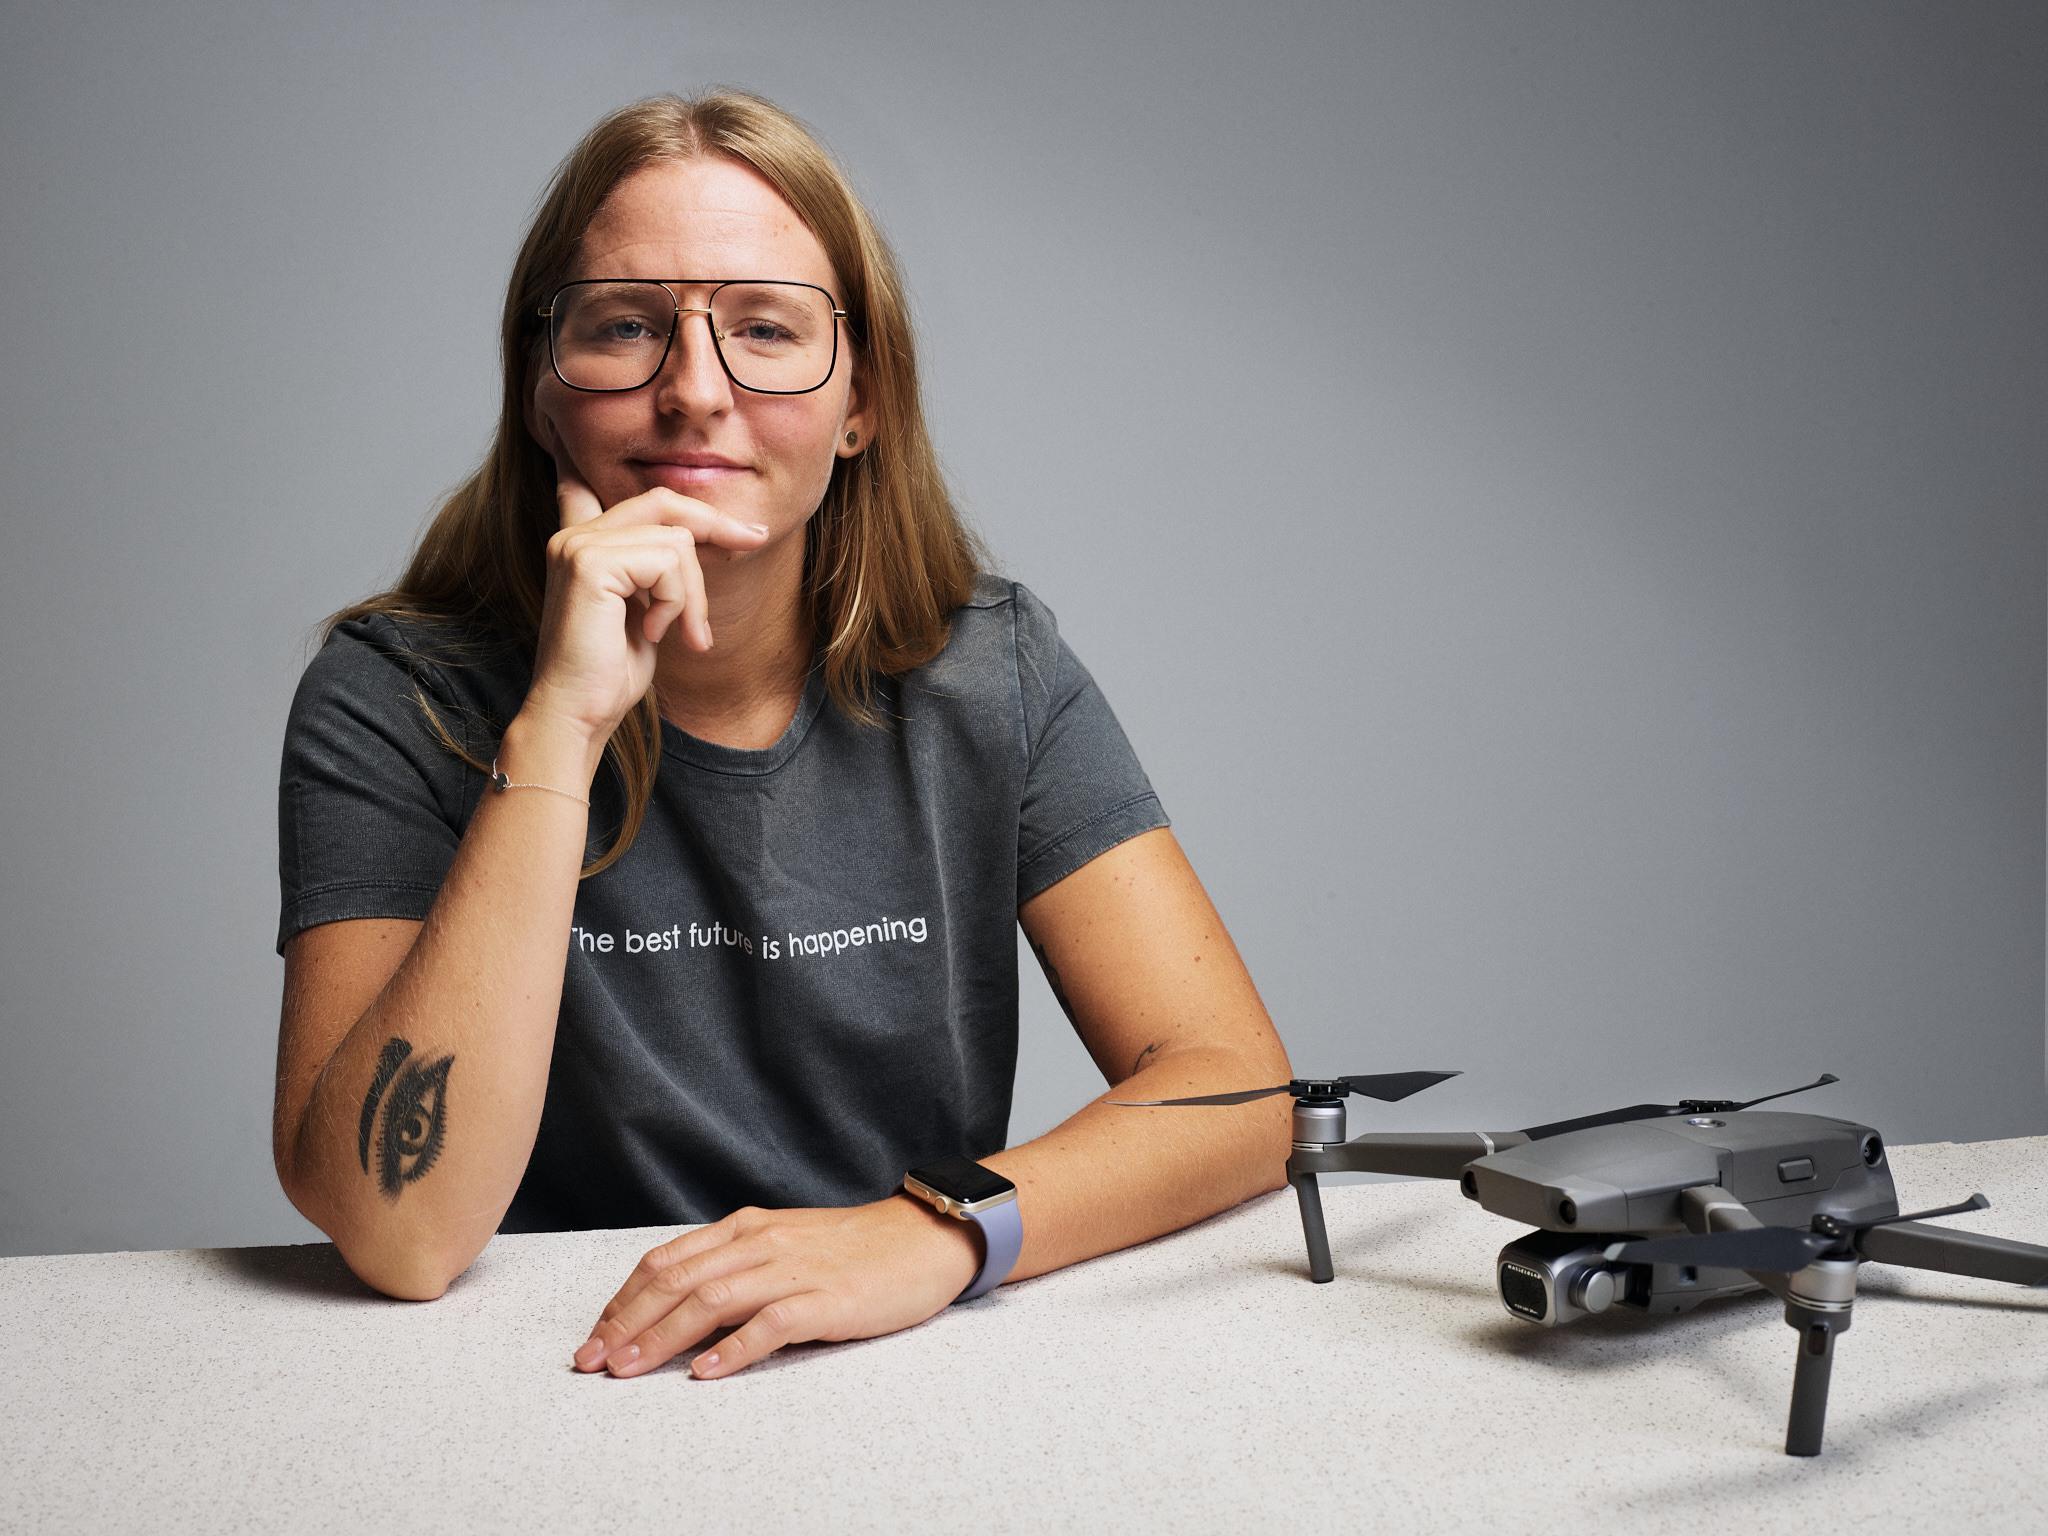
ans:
(847, 1273)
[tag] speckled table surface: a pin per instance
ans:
(1198, 1382)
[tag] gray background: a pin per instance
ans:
(1553, 492)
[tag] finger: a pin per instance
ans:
(633, 1308)
(692, 573)
(663, 603)
(574, 500)
(709, 525)
(764, 1298)
(666, 582)
(657, 566)
(788, 1321)
(689, 1306)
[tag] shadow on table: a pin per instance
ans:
(1359, 1246)
(1384, 1271)
(1860, 1448)
(1582, 1343)
(300, 1269)
(1997, 1298)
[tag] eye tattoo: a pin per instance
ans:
(395, 1051)
(415, 1116)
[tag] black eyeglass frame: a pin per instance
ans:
(675, 321)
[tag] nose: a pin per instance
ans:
(692, 380)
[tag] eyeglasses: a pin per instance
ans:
(772, 338)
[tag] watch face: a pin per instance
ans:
(963, 1179)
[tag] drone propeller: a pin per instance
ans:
(1773, 1250)
(1659, 1111)
(1320, 1101)
(1389, 1087)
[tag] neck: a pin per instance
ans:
(763, 645)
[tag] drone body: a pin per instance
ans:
(1660, 1207)
(1589, 1188)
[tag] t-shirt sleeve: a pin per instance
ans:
(370, 804)
(1084, 791)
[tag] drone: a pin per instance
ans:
(1660, 1207)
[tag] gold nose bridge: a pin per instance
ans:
(684, 309)
(717, 336)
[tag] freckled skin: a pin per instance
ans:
(1052, 976)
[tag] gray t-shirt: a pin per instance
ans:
(802, 978)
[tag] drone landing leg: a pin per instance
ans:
(1305, 1191)
(1818, 1307)
(1810, 1390)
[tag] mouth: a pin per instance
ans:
(691, 470)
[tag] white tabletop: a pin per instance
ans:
(1197, 1382)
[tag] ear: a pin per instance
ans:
(538, 425)
(860, 416)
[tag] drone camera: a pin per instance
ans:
(1552, 1278)
(1525, 1291)
(1873, 1150)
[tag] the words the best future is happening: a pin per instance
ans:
(766, 946)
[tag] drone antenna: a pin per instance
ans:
(1820, 1082)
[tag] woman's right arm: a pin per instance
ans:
(413, 1057)
(407, 1164)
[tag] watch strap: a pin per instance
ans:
(1002, 1238)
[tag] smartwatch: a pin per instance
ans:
(961, 1188)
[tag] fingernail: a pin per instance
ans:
(623, 1360)
(705, 1364)
(758, 527)
(590, 1351)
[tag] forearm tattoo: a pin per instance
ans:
(415, 1117)
(1052, 975)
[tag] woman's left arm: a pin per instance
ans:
(1140, 961)
(1145, 971)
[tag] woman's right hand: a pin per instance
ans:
(616, 580)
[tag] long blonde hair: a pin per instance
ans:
(887, 557)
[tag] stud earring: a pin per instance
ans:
(852, 438)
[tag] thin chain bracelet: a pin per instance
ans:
(505, 783)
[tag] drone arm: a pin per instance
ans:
(1919, 1245)
(1422, 1154)
(1709, 1208)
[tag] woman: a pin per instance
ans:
(762, 966)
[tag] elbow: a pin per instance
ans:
(403, 1275)
(404, 1272)
(404, 1285)
(414, 1271)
